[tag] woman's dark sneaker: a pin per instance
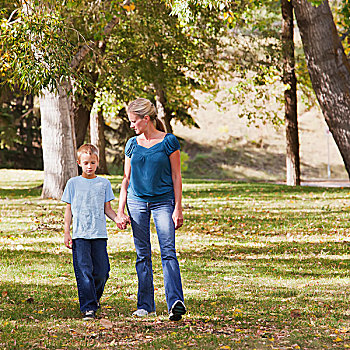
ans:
(177, 310)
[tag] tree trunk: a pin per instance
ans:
(58, 141)
(161, 108)
(290, 96)
(83, 106)
(58, 132)
(81, 122)
(329, 69)
(98, 138)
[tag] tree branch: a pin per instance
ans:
(84, 50)
(12, 14)
(28, 112)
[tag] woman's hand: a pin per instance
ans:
(178, 218)
(122, 220)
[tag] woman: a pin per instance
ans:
(152, 185)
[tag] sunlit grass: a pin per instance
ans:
(263, 266)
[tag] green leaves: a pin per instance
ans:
(39, 41)
(152, 50)
(35, 50)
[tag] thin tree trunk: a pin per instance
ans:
(58, 141)
(98, 138)
(161, 100)
(329, 69)
(290, 96)
(81, 122)
(161, 108)
(83, 106)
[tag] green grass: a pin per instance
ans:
(264, 267)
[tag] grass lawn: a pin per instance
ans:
(264, 267)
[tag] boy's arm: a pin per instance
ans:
(67, 222)
(110, 212)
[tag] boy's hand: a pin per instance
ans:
(122, 220)
(68, 240)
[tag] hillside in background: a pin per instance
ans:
(225, 147)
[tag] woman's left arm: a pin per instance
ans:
(175, 162)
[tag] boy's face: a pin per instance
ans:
(89, 164)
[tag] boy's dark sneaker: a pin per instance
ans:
(177, 310)
(88, 315)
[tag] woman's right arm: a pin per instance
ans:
(122, 218)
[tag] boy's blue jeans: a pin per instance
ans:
(140, 214)
(91, 267)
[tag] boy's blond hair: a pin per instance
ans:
(87, 148)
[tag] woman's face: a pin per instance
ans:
(137, 124)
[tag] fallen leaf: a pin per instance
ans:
(295, 313)
(106, 323)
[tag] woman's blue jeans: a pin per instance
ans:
(91, 267)
(140, 214)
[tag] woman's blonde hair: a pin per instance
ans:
(142, 107)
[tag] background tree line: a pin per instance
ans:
(87, 59)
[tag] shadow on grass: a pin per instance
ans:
(19, 193)
(34, 301)
(276, 260)
(213, 188)
(274, 250)
(260, 191)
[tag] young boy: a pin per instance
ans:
(88, 201)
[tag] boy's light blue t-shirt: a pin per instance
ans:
(87, 198)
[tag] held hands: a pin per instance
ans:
(178, 218)
(68, 240)
(122, 220)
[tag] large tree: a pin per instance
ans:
(327, 63)
(58, 134)
(39, 53)
(329, 69)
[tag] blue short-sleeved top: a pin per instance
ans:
(150, 179)
(87, 198)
